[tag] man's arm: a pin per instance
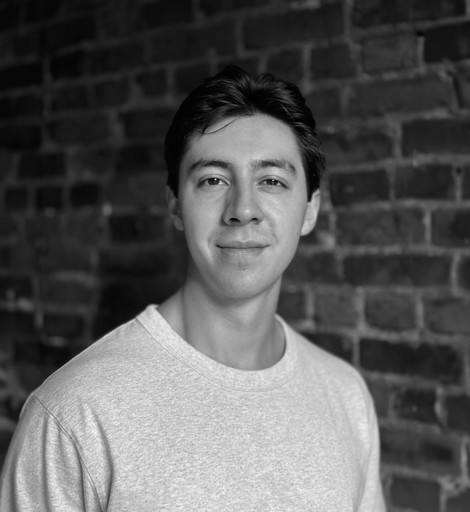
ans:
(43, 470)
(372, 496)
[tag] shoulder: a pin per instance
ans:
(338, 379)
(99, 372)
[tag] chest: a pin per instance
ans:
(232, 453)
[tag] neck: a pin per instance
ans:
(242, 334)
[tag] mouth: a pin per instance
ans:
(242, 246)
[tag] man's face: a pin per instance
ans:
(242, 204)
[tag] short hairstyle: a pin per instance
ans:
(235, 93)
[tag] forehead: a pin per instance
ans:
(255, 136)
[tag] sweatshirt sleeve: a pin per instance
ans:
(372, 496)
(43, 470)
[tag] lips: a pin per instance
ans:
(238, 244)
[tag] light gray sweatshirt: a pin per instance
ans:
(141, 421)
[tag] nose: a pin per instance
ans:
(242, 206)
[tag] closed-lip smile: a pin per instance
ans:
(238, 244)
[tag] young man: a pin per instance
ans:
(210, 401)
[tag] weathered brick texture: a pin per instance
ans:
(87, 90)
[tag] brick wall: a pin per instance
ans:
(87, 89)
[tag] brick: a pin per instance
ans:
(21, 75)
(69, 65)
(465, 182)
(338, 344)
(416, 494)
(67, 33)
(70, 97)
(390, 311)
(21, 106)
(459, 502)
(7, 165)
(50, 197)
(416, 404)
(111, 93)
(166, 12)
(368, 13)
(6, 434)
(462, 84)
(67, 292)
(434, 453)
(85, 194)
(27, 105)
(447, 315)
(286, 64)
(334, 61)
(15, 287)
(291, 304)
(397, 269)
(364, 145)
(147, 123)
(390, 52)
(458, 412)
(134, 261)
(84, 226)
(195, 43)
(136, 228)
(120, 57)
(140, 157)
(19, 256)
(68, 326)
(189, 77)
(463, 273)
(429, 181)
(41, 166)
(435, 362)
(317, 268)
(27, 44)
(400, 95)
(8, 227)
(436, 136)
(325, 104)
(146, 190)
(451, 228)
(120, 301)
(380, 227)
(448, 42)
(286, 27)
(358, 187)
(59, 252)
(10, 15)
(81, 129)
(215, 7)
(336, 308)
(35, 361)
(6, 108)
(16, 198)
(153, 83)
(381, 395)
(17, 322)
(41, 10)
(249, 63)
(86, 163)
(20, 136)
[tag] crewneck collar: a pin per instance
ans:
(243, 380)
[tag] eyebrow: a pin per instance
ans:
(280, 163)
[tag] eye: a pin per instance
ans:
(273, 182)
(211, 182)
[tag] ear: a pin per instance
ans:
(174, 208)
(311, 214)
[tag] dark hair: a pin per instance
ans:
(233, 92)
